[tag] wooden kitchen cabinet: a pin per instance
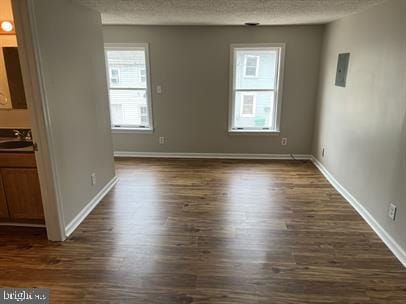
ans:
(22, 192)
(3, 204)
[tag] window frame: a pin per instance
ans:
(132, 47)
(257, 58)
(280, 66)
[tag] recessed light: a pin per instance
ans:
(251, 23)
(7, 26)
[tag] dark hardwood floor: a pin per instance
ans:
(211, 231)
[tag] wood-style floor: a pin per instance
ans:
(211, 231)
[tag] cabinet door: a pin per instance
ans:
(3, 204)
(23, 194)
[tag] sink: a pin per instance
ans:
(15, 144)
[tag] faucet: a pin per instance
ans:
(25, 135)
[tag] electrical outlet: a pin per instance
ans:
(161, 140)
(159, 89)
(93, 179)
(323, 152)
(392, 211)
(284, 141)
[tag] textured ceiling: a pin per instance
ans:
(225, 12)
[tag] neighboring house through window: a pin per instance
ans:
(114, 75)
(144, 114)
(117, 113)
(142, 75)
(247, 105)
(251, 65)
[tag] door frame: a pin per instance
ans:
(41, 123)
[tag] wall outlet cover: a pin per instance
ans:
(93, 179)
(392, 211)
(284, 141)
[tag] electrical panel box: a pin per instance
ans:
(342, 69)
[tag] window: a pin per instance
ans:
(256, 83)
(129, 86)
(251, 65)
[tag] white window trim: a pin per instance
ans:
(254, 104)
(133, 46)
(256, 66)
(278, 92)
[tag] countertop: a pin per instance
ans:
(25, 149)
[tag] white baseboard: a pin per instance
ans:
(212, 155)
(89, 207)
(396, 249)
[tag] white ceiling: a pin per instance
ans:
(225, 12)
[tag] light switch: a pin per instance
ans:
(159, 89)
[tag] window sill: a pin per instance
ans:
(254, 132)
(132, 130)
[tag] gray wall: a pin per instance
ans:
(72, 60)
(363, 126)
(192, 65)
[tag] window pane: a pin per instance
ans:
(127, 68)
(129, 107)
(255, 69)
(253, 110)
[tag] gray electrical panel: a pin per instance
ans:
(342, 69)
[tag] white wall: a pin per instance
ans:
(363, 126)
(72, 62)
(192, 66)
